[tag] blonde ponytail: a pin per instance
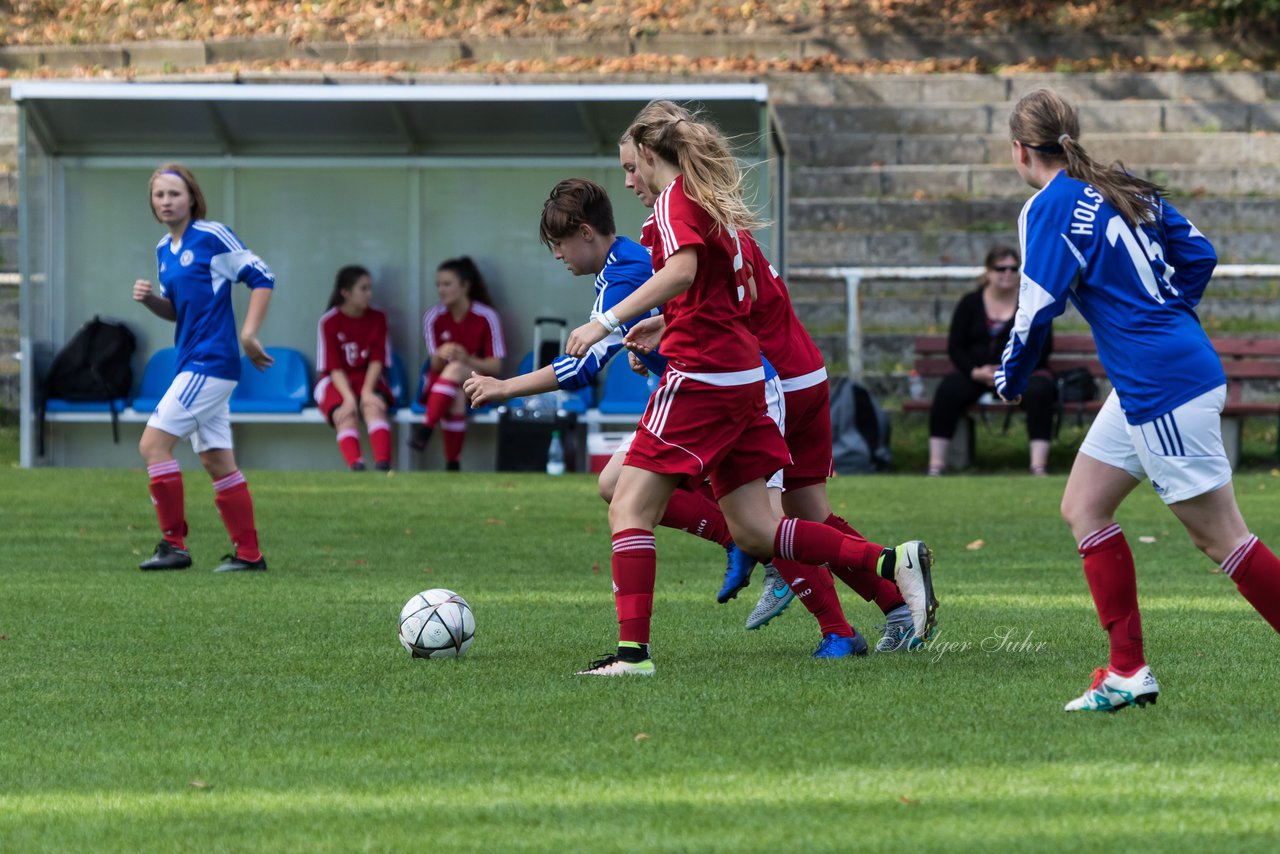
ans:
(702, 154)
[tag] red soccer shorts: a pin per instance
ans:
(699, 430)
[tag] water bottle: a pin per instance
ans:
(915, 386)
(555, 454)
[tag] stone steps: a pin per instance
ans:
(954, 247)
(1212, 215)
(1096, 117)
(913, 89)
(932, 181)
(880, 149)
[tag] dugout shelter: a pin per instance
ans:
(311, 177)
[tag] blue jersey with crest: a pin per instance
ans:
(196, 275)
(628, 267)
(1136, 287)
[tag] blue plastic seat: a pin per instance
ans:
(157, 376)
(397, 381)
(285, 387)
(57, 404)
(625, 392)
(416, 404)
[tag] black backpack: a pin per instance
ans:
(95, 365)
(859, 429)
(1075, 385)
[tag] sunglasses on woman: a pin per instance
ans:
(1012, 269)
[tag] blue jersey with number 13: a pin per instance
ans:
(1136, 287)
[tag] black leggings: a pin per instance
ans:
(957, 392)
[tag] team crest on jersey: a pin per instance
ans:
(186, 258)
(446, 335)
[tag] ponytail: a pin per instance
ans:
(1044, 122)
(701, 152)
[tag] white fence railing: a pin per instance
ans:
(855, 276)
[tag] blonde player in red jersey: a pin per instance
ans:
(352, 354)
(708, 415)
(463, 334)
(807, 429)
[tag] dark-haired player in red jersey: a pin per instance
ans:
(352, 354)
(463, 334)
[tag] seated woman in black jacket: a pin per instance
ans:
(979, 331)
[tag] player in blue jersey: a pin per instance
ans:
(198, 262)
(578, 226)
(1135, 269)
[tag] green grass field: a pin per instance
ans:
(277, 712)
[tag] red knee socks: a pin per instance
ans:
(231, 496)
(1108, 567)
(635, 562)
(1256, 572)
(166, 495)
(697, 514)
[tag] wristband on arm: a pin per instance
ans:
(607, 319)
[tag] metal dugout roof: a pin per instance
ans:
(318, 174)
(163, 119)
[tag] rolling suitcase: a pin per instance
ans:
(525, 424)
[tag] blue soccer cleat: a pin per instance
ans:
(737, 572)
(839, 646)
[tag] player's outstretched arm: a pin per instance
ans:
(481, 390)
(156, 304)
(259, 300)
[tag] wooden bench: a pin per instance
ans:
(1243, 360)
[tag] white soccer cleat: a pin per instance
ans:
(1111, 692)
(611, 665)
(912, 571)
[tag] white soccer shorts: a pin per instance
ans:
(1181, 452)
(197, 406)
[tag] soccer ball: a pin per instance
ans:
(437, 623)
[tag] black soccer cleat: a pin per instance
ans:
(231, 563)
(167, 556)
(382, 465)
(421, 435)
(452, 465)
(358, 465)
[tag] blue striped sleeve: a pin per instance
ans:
(1051, 263)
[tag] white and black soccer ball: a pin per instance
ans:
(437, 623)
